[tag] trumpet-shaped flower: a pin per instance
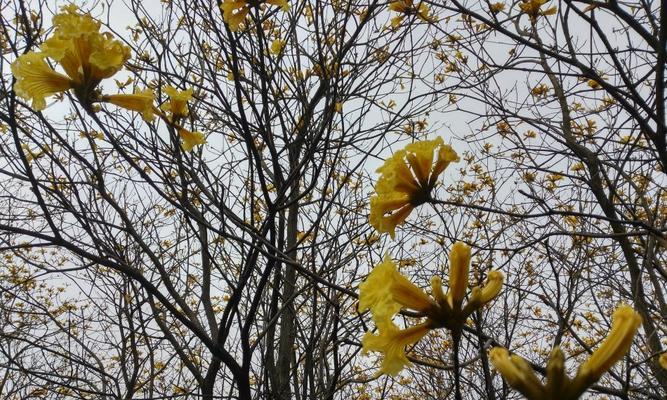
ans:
(36, 80)
(86, 55)
(519, 374)
(406, 181)
(191, 139)
(141, 102)
(385, 291)
(391, 342)
(178, 101)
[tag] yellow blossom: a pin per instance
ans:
(577, 167)
(141, 101)
(191, 139)
(178, 101)
(497, 7)
(86, 55)
(407, 7)
(406, 181)
(540, 90)
(234, 12)
(277, 46)
(391, 342)
(396, 21)
(385, 291)
(663, 360)
(593, 84)
(459, 261)
(36, 80)
(283, 4)
(503, 128)
(519, 374)
(491, 289)
(624, 324)
(31, 155)
(533, 8)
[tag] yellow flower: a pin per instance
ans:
(494, 283)
(624, 324)
(139, 101)
(407, 7)
(31, 155)
(36, 80)
(533, 8)
(663, 360)
(283, 4)
(391, 342)
(396, 21)
(86, 55)
(178, 101)
(191, 139)
(406, 181)
(519, 374)
(277, 46)
(401, 6)
(234, 13)
(593, 84)
(459, 260)
(497, 7)
(385, 291)
(540, 90)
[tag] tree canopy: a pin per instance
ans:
(333, 199)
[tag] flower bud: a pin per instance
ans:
(624, 325)
(517, 372)
(459, 261)
(494, 282)
(556, 371)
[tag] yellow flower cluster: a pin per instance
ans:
(386, 291)
(176, 107)
(406, 8)
(234, 12)
(406, 181)
(519, 374)
(86, 55)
